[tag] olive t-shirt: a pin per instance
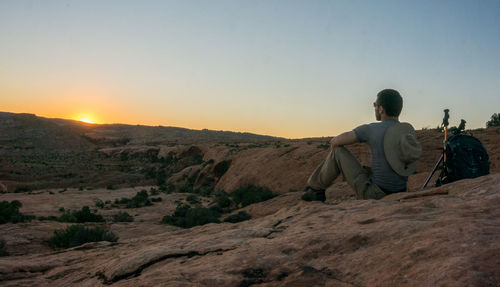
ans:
(382, 173)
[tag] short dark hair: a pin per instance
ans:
(391, 101)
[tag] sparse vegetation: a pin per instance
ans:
(80, 216)
(193, 199)
(251, 194)
(154, 191)
(3, 252)
(44, 218)
(22, 188)
(238, 217)
(223, 200)
(9, 212)
(78, 234)
(139, 200)
(100, 204)
(186, 216)
(123, 217)
(324, 145)
(494, 121)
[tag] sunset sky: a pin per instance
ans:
(284, 68)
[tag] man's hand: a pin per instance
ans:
(346, 138)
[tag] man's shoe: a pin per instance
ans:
(311, 194)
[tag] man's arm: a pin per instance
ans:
(346, 138)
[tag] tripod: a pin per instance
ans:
(443, 155)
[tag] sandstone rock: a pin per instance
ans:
(445, 236)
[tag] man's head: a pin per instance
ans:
(389, 103)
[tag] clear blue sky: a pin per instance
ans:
(284, 68)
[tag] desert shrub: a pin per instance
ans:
(494, 121)
(123, 217)
(110, 187)
(3, 252)
(293, 190)
(185, 187)
(9, 212)
(99, 204)
(44, 218)
(78, 234)
(186, 217)
(156, 199)
(223, 200)
(193, 199)
(164, 188)
(204, 191)
(139, 200)
(22, 188)
(238, 217)
(251, 194)
(324, 146)
(80, 216)
(154, 191)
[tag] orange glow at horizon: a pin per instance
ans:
(86, 120)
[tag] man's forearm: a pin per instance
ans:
(346, 138)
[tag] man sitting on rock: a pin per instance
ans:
(394, 150)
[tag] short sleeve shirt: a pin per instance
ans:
(382, 173)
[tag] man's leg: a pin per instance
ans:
(341, 161)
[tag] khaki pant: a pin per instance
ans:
(341, 161)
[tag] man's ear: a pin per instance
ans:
(381, 110)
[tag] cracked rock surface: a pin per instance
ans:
(446, 236)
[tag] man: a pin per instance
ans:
(394, 149)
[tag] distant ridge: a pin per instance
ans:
(22, 126)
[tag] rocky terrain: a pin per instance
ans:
(440, 236)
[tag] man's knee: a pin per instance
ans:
(338, 151)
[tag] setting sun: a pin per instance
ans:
(86, 120)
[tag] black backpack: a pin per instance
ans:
(466, 157)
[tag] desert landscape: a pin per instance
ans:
(179, 207)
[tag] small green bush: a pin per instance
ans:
(3, 252)
(187, 217)
(22, 188)
(156, 199)
(154, 191)
(324, 146)
(100, 204)
(80, 216)
(78, 234)
(223, 200)
(238, 217)
(494, 121)
(204, 191)
(139, 200)
(9, 212)
(122, 217)
(193, 199)
(251, 194)
(44, 218)
(185, 188)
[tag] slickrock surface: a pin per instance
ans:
(446, 236)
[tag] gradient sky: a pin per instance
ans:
(283, 68)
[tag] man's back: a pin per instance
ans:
(382, 173)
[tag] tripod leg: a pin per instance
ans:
(433, 171)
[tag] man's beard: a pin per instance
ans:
(377, 116)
